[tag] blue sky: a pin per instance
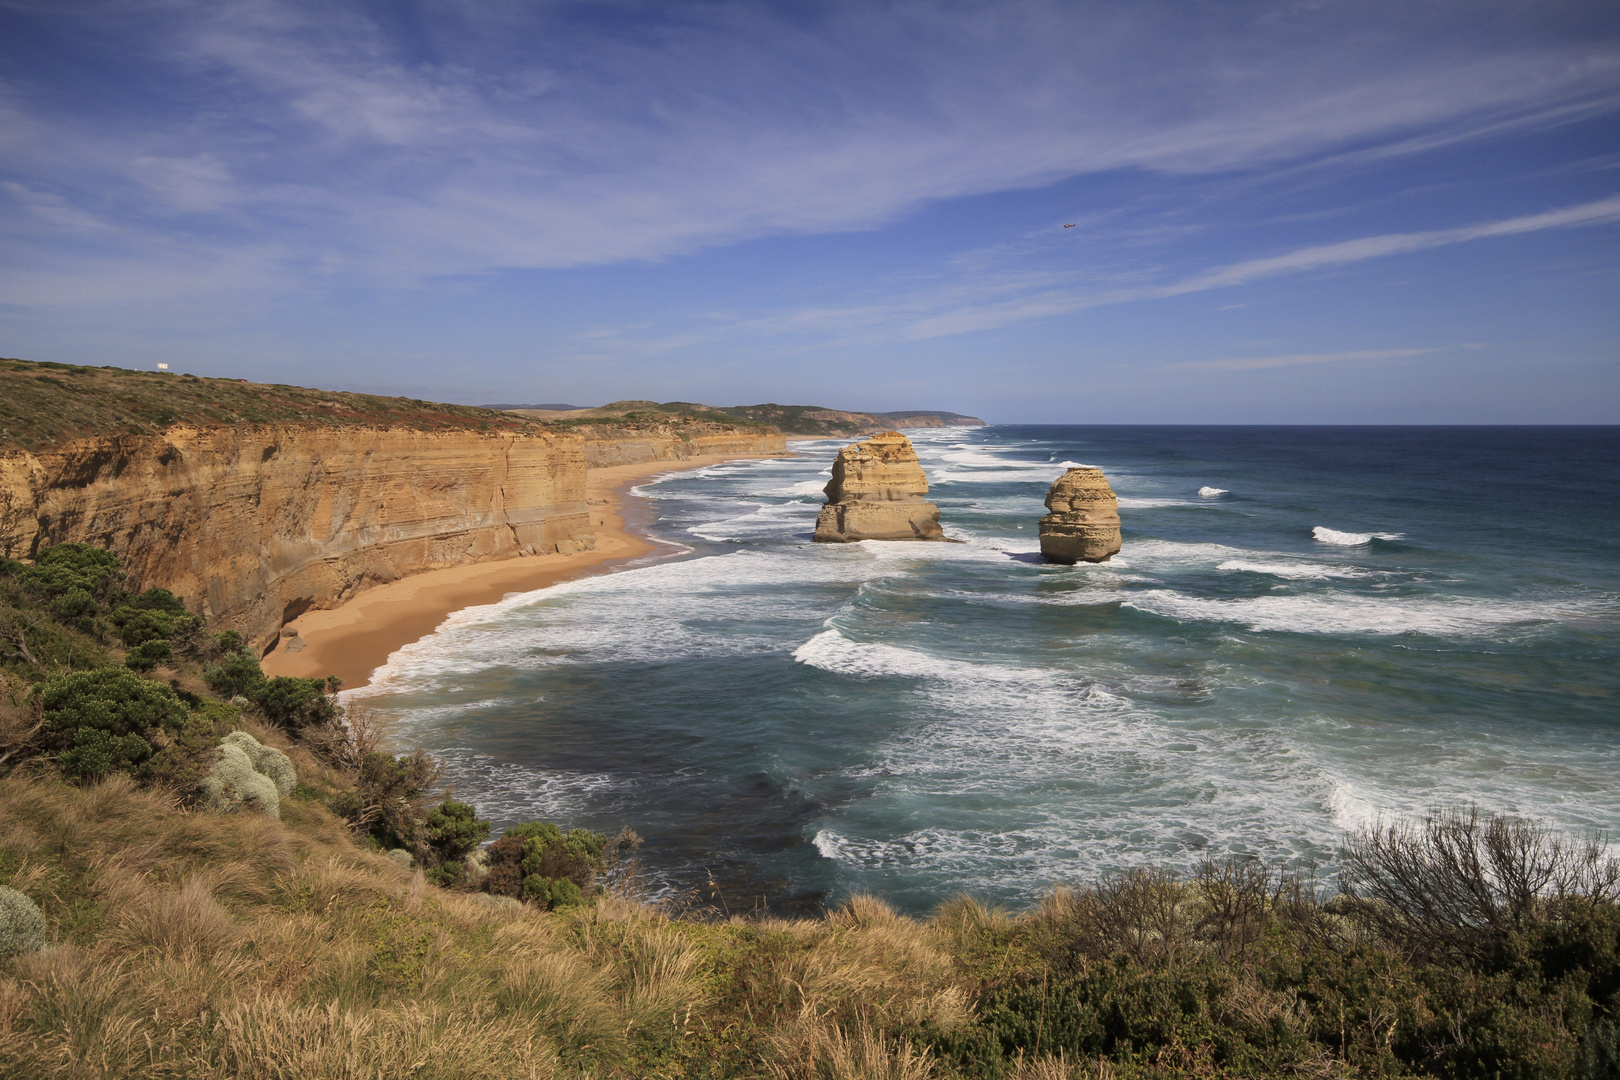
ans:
(1313, 212)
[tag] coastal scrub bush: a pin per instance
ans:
(453, 832)
(62, 568)
(185, 757)
(291, 704)
(147, 616)
(77, 608)
(153, 625)
(266, 760)
(148, 655)
(233, 783)
(1455, 882)
(236, 675)
(104, 720)
(539, 863)
(22, 926)
(385, 803)
(294, 704)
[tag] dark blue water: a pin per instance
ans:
(1307, 628)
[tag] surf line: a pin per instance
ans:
(356, 638)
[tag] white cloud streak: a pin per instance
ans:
(508, 137)
(959, 318)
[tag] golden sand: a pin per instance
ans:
(355, 639)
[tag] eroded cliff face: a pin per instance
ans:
(1084, 523)
(876, 493)
(256, 524)
(610, 444)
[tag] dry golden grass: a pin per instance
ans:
(199, 945)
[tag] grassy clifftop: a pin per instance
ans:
(802, 420)
(43, 404)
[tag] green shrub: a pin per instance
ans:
(453, 833)
(182, 764)
(552, 893)
(294, 704)
(291, 704)
(530, 860)
(454, 830)
(104, 720)
(62, 568)
(76, 607)
(147, 616)
(22, 927)
(236, 675)
(148, 655)
(1600, 1051)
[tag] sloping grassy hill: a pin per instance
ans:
(42, 404)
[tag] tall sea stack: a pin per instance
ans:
(877, 493)
(1084, 523)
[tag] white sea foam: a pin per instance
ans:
(1356, 614)
(831, 651)
(1130, 502)
(1207, 492)
(743, 589)
(1294, 571)
(507, 791)
(1324, 535)
(765, 520)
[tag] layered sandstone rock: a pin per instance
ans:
(256, 524)
(612, 444)
(877, 493)
(1084, 523)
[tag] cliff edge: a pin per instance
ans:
(257, 503)
(256, 524)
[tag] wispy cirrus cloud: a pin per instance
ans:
(961, 318)
(474, 138)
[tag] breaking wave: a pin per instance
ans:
(1324, 535)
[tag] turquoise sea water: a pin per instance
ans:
(1307, 628)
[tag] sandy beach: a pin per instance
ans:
(355, 639)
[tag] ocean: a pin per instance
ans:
(1308, 628)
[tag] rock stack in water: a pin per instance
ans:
(1084, 523)
(877, 493)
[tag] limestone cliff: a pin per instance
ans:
(1084, 523)
(877, 493)
(257, 523)
(632, 444)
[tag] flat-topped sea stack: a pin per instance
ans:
(877, 492)
(1084, 523)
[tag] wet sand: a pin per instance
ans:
(355, 639)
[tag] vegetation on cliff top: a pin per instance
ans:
(43, 404)
(811, 420)
(181, 942)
